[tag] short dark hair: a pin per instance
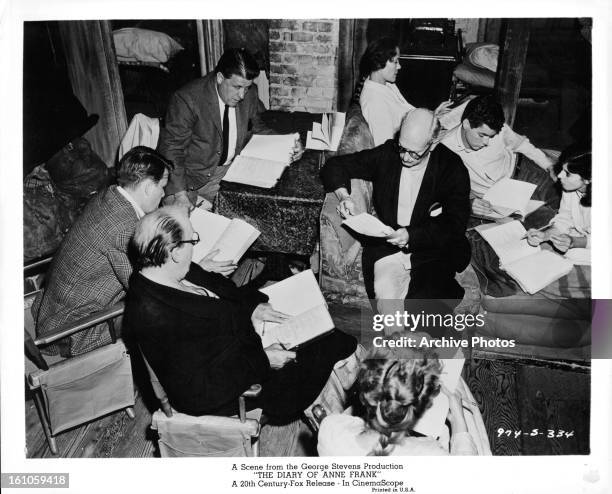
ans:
(578, 161)
(140, 163)
(484, 110)
(377, 54)
(237, 61)
(155, 235)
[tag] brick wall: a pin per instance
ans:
(303, 64)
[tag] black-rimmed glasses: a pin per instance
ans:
(435, 139)
(413, 154)
(195, 240)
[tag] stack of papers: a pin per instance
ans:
(509, 196)
(263, 160)
(231, 238)
(325, 136)
(298, 296)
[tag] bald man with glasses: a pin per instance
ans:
(421, 190)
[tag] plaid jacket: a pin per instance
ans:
(89, 272)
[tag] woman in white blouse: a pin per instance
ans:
(382, 104)
(572, 225)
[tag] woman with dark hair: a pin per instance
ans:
(382, 104)
(196, 330)
(572, 225)
(395, 393)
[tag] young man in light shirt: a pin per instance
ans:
(491, 150)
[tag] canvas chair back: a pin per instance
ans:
(206, 435)
(73, 391)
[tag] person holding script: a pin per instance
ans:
(197, 331)
(421, 192)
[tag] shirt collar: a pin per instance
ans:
(459, 140)
(139, 212)
(221, 102)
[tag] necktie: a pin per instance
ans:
(225, 135)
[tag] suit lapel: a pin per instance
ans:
(212, 104)
(395, 178)
(423, 200)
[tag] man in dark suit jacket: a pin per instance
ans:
(197, 332)
(423, 195)
(208, 123)
(91, 269)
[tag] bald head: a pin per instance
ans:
(417, 128)
(416, 133)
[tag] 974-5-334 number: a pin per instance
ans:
(548, 433)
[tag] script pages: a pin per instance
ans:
(325, 136)
(509, 196)
(262, 161)
(532, 267)
(432, 421)
(300, 297)
(366, 224)
(231, 237)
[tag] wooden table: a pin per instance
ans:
(287, 215)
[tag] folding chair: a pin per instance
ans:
(206, 435)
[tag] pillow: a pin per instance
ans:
(474, 76)
(142, 45)
(483, 55)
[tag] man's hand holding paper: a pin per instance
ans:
(297, 152)
(346, 208)
(366, 224)
(481, 207)
(222, 267)
(399, 238)
(266, 313)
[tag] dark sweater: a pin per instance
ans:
(205, 351)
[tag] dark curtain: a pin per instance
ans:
(352, 44)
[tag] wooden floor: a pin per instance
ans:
(513, 395)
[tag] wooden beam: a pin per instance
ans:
(346, 70)
(511, 65)
(351, 45)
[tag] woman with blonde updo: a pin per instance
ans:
(395, 393)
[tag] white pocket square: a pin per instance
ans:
(436, 212)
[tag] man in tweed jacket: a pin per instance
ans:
(91, 269)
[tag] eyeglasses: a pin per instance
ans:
(195, 240)
(413, 154)
(437, 136)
